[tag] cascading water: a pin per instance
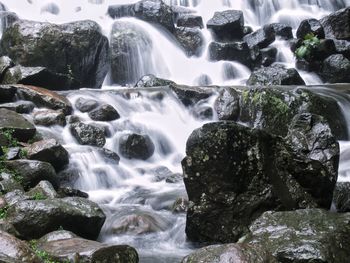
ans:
(136, 192)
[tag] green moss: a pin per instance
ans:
(43, 255)
(39, 196)
(245, 96)
(3, 212)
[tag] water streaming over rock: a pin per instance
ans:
(139, 196)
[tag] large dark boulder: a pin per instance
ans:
(136, 146)
(282, 30)
(342, 47)
(233, 174)
(191, 39)
(235, 253)
(308, 235)
(153, 11)
(104, 112)
(233, 51)
(261, 37)
(189, 20)
(15, 250)
(35, 218)
(275, 75)
(310, 26)
(48, 151)
(337, 24)
(7, 93)
(227, 25)
(22, 129)
(78, 50)
(335, 69)
(87, 134)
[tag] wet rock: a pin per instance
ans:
(337, 24)
(70, 192)
(275, 75)
(268, 56)
(227, 105)
(43, 190)
(73, 248)
(104, 112)
(227, 25)
(136, 146)
(20, 106)
(180, 205)
(88, 134)
(308, 235)
(342, 47)
(48, 151)
(190, 20)
(5, 64)
(336, 69)
(202, 112)
(86, 105)
(58, 48)
(37, 76)
(188, 95)
(30, 173)
(16, 196)
(153, 11)
(310, 26)
(152, 81)
(23, 130)
(49, 118)
(276, 177)
(44, 98)
(282, 30)
(262, 38)
(191, 39)
(15, 250)
(9, 185)
(238, 253)
(341, 197)
(108, 156)
(233, 51)
(68, 176)
(7, 19)
(7, 93)
(35, 218)
(13, 153)
(55, 236)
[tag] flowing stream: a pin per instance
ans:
(135, 193)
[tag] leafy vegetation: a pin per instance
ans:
(310, 44)
(3, 212)
(43, 255)
(39, 196)
(11, 140)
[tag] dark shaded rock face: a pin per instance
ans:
(336, 69)
(309, 235)
(153, 11)
(237, 253)
(308, 26)
(135, 146)
(342, 47)
(275, 75)
(20, 106)
(35, 218)
(7, 93)
(5, 64)
(282, 30)
(261, 38)
(227, 25)
(337, 24)
(191, 39)
(77, 50)
(88, 134)
(341, 197)
(15, 250)
(23, 130)
(233, 174)
(104, 112)
(189, 20)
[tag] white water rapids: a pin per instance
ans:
(131, 188)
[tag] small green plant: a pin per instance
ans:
(3, 212)
(43, 255)
(23, 154)
(310, 43)
(11, 140)
(39, 196)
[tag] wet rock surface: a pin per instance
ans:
(88, 134)
(136, 146)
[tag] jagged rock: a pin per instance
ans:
(23, 130)
(88, 134)
(234, 51)
(49, 118)
(152, 81)
(233, 174)
(308, 235)
(15, 250)
(104, 112)
(227, 105)
(136, 146)
(7, 93)
(237, 253)
(337, 24)
(268, 56)
(59, 49)
(44, 190)
(153, 11)
(70, 192)
(48, 151)
(30, 173)
(282, 30)
(227, 25)
(341, 197)
(35, 218)
(262, 38)
(189, 20)
(275, 75)
(310, 26)
(335, 69)
(188, 95)
(20, 106)
(44, 98)
(191, 39)
(5, 64)
(86, 105)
